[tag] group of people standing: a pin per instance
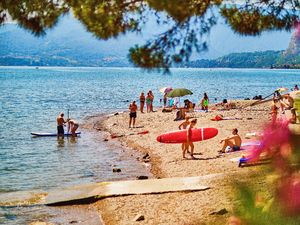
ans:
(148, 99)
(283, 103)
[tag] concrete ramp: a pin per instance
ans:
(92, 192)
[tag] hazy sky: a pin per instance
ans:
(222, 40)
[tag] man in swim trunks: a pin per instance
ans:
(60, 125)
(132, 114)
(234, 141)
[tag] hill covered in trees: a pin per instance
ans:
(265, 59)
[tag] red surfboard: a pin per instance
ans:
(180, 136)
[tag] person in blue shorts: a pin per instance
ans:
(234, 141)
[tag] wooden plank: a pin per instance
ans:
(87, 192)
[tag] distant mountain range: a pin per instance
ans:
(266, 59)
(69, 44)
(289, 59)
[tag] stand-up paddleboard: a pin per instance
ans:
(39, 134)
(180, 136)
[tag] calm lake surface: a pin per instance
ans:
(31, 99)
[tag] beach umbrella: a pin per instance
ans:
(282, 89)
(165, 90)
(179, 92)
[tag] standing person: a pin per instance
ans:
(234, 141)
(189, 139)
(148, 102)
(60, 125)
(204, 102)
(152, 99)
(142, 102)
(72, 126)
(165, 100)
(296, 88)
(293, 118)
(132, 114)
(183, 126)
(274, 110)
(286, 103)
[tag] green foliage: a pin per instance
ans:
(107, 19)
(33, 15)
(263, 213)
(254, 22)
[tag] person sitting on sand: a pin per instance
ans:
(188, 140)
(226, 105)
(132, 114)
(204, 102)
(72, 126)
(183, 126)
(296, 88)
(234, 141)
(60, 125)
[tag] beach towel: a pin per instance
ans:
(245, 146)
(218, 118)
(122, 135)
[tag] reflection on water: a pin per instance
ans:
(60, 142)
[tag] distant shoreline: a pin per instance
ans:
(132, 67)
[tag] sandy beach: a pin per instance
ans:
(218, 172)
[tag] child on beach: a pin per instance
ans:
(189, 138)
(183, 126)
(132, 114)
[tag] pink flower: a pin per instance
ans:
(289, 195)
(274, 136)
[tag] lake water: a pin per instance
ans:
(31, 99)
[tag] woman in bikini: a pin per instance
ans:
(204, 102)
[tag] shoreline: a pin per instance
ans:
(166, 161)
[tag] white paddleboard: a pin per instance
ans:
(45, 134)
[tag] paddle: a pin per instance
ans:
(68, 115)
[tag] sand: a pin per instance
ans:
(166, 161)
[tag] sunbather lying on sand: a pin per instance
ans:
(234, 141)
(226, 105)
